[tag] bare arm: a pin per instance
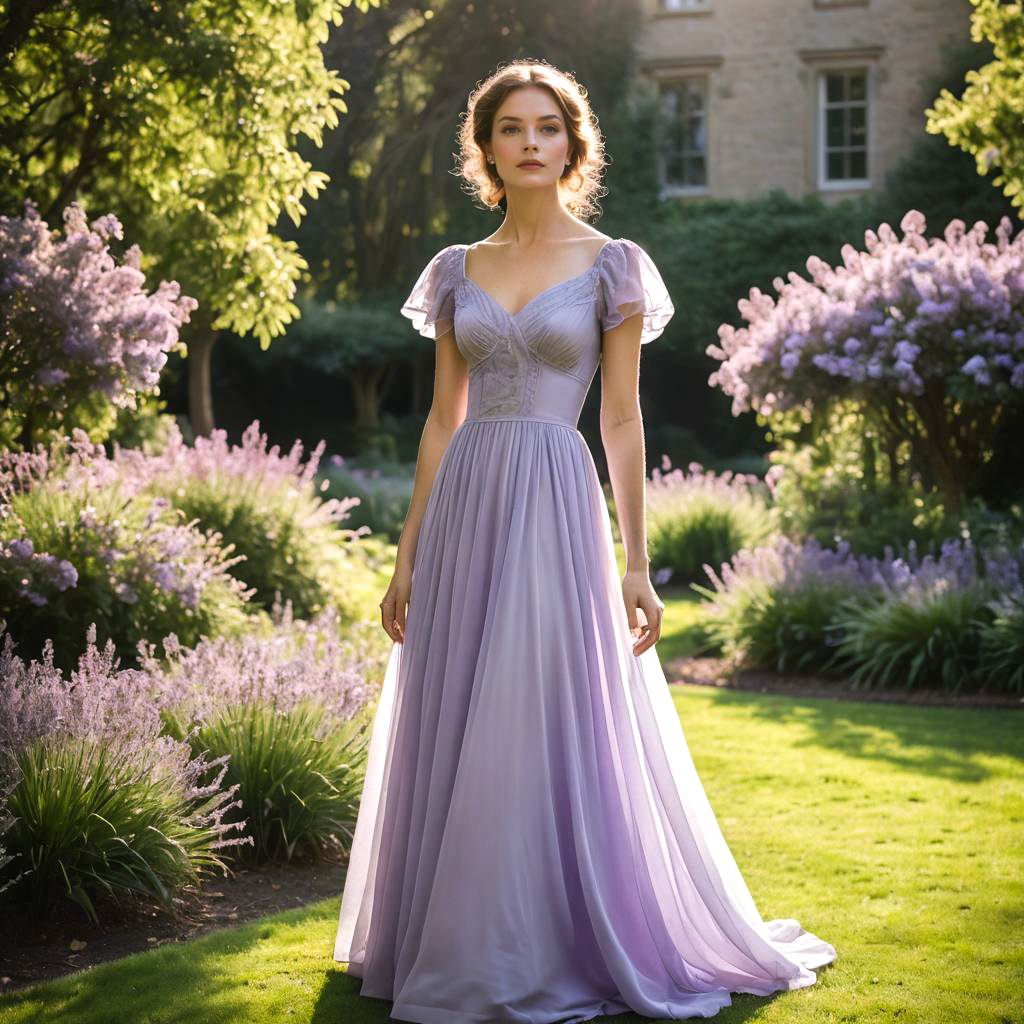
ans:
(447, 410)
(622, 434)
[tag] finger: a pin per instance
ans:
(631, 618)
(387, 617)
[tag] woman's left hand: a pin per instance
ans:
(637, 592)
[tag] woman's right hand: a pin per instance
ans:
(393, 607)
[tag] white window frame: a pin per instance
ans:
(703, 81)
(823, 106)
(671, 7)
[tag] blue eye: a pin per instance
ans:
(512, 127)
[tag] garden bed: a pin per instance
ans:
(714, 672)
(38, 952)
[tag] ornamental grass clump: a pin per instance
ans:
(285, 711)
(81, 543)
(698, 516)
(103, 802)
(266, 506)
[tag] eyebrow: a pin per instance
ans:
(543, 117)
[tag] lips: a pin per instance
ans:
(530, 163)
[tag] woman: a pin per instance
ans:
(533, 841)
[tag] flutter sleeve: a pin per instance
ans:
(431, 303)
(630, 284)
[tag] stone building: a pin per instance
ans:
(804, 95)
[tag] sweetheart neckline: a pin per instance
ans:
(513, 316)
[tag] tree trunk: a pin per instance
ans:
(200, 392)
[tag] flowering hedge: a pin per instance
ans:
(266, 505)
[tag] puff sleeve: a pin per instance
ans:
(630, 284)
(431, 303)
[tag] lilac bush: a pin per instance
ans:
(75, 324)
(102, 799)
(697, 515)
(925, 335)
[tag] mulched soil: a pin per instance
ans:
(35, 953)
(714, 672)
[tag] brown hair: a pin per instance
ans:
(580, 182)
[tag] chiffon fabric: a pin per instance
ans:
(533, 841)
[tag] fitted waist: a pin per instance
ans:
(568, 424)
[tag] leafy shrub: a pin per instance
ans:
(920, 334)
(831, 482)
(283, 709)
(914, 640)
(103, 802)
(383, 490)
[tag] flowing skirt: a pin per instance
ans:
(533, 841)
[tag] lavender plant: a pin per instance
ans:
(925, 626)
(286, 710)
(104, 802)
(698, 516)
(905, 620)
(82, 542)
(926, 336)
(79, 335)
(266, 506)
(772, 606)
(1001, 658)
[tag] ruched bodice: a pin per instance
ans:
(540, 361)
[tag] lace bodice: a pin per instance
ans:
(541, 360)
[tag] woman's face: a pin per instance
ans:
(529, 126)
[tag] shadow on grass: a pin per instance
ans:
(949, 743)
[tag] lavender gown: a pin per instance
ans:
(533, 841)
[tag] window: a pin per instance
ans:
(683, 6)
(843, 127)
(682, 106)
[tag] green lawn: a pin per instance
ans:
(893, 832)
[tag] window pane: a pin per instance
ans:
(858, 126)
(834, 128)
